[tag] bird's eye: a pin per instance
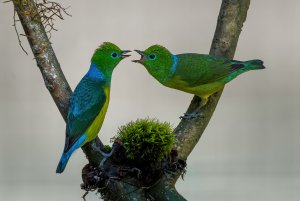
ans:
(114, 55)
(152, 56)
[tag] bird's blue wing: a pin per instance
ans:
(85, 104)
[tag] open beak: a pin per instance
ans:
(143, 57)
(124, 54)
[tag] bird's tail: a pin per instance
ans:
(239, 67)
(68, 152)
(63, 162)
(254, 64)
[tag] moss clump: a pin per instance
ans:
(146, 139)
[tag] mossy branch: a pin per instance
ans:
(49, 66)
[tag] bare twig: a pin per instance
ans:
(17, 32)
(49, 11)
(84, 195)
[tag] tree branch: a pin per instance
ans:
(232, 15)
(49, 66)
(230, 22)
(188, 132)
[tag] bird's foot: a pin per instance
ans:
(192, 115)
(105, 157)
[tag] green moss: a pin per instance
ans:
(107, 148)
(146, 139)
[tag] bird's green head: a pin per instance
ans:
(107, 56)
(157, 60)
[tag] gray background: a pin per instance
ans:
(250, 150)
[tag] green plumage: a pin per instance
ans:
(193, 73)
(203, 75)
(89, 102)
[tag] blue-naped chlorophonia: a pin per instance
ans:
(89, 102)
(198, 74)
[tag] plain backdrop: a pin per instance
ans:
(249, 151)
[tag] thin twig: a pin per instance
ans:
(84, 195)
(49, 11)
(18, 35)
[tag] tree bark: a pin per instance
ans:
(49, 66)
(230, 21)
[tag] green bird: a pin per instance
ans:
(89, 102)
(198, 74)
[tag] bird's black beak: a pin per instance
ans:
(124, 54)
(143, 57)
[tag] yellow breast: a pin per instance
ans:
(95, 127)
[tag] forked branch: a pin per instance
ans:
(231, 18)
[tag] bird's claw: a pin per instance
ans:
(105, 156)
(192, 115)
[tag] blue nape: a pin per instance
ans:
(95, 73)
(174, 65)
